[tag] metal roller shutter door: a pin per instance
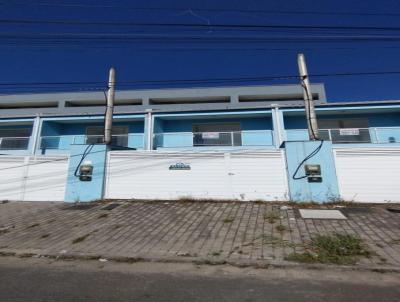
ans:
(368, 175)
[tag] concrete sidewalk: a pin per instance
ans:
(240, 233)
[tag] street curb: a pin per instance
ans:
(257, 264)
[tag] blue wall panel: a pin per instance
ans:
(260, 138)
(300, 189)
(84, 191)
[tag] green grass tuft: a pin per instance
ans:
(336, 249)
(271, 217)
(281, 228)
(216, 253)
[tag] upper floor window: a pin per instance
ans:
(95, 135)
(343, 123)
(217, 134)
(14, 139)
(345, 130)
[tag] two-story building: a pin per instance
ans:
(213, 143)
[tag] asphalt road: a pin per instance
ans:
(45, 280)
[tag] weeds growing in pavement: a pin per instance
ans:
(271, 217)
(281, 228)
(336, 249)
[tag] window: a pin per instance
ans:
(14, 139)
(343, 123)
(218, 134)
(95, 135)
(345, 130)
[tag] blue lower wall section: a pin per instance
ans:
(257, 138)
(303, 191)
(84, 191)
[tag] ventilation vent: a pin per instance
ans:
(102, 103)
(269, 98)
(191, 100)
(30, 105)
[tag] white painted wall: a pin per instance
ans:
(11, 177)
(368, 175)
(213, 175)
(28, 178)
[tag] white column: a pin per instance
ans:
(278, 125)
(148, 131)
(35, 137)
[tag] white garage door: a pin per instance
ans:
(245, 176)
(27, 178)
(368, 175)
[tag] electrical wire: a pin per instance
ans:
(200, 9)
(88, 149)
(196, 25)
(308, 157)
(18, 87)
(42, 162)
(127, 83)
(163, 48)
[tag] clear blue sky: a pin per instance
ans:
(218, 54)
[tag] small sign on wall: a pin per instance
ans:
(179, 166)
(210, 135)
(353, 131)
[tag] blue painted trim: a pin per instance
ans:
(93, 117)
(344, 108)
(7, 120)
(212, 113)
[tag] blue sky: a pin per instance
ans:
(212, 57)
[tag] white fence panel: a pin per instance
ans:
(46, 179)
(12, 171)
(25, 178)
(259, 176)
(368, 175)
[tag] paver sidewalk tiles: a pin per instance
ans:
(217, 231)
